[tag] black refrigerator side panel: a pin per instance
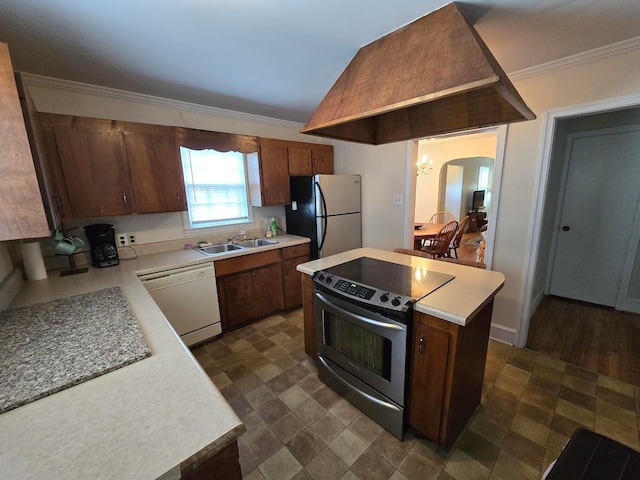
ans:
(302, 220)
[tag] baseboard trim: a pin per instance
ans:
(10, 287)
(628, 305)
(502, 333)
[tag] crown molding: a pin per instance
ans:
(615, 49)
(141, 98)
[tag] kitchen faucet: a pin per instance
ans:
(241, 234)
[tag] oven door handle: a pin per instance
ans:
(355, 389)
(356, 317)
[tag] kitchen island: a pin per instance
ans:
(446, 341)
(159, 417)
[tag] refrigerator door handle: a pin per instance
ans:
(324, 216)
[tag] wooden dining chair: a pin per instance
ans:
(439, 246)
(442, 217)
(418, 253)
(457, 238)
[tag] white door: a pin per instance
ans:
(453, 190)
(598, 211)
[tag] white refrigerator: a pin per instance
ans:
(327, 209)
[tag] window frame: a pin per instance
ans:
(191, 230)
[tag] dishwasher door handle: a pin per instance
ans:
(169, 278)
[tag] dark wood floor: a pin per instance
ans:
(597, 338)
(468, 249)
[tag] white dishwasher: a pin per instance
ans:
(189, 299)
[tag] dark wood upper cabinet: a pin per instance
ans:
(300, 161)
(99, 167)
(103, 167)
(156, 170)
(96, 171)
(322, 159)
(22, 213)
(308, 159)
(269, 175)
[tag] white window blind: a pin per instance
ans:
(216, 187)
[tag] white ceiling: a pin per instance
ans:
(276, 58)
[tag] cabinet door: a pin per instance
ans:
(251, 295)
(269, 176)
(36, 141)
(300, 161)
(308, 308)
(322, 160)
(21, 211)
(233, 292)
(430, 349)
(57, 185)
(156, 172)
(292, 282)
(96, 171)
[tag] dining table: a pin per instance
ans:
(425, 231)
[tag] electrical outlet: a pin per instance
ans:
(398, 199)
(123, 239)
(132, 238)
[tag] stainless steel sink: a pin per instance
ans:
(216, 249)
(256, 242)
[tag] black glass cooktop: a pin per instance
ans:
(414, 282)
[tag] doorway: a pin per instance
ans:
(559, 126)
(430, 184)
(596, 215)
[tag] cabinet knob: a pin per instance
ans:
(179, 197)
(421, 343)
(124, 199)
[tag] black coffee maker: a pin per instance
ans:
(102, 239)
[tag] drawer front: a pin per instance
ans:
(246, 262)
(295, 251)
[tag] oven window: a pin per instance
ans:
(360, 345)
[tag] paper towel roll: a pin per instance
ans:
(33, 261)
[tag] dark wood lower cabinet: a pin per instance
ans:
(252, 287)
(249, 296)
(224, 464)
(447, 371)
(292, 257)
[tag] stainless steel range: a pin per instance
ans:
(364, 313)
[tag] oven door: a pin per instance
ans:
(368, 345)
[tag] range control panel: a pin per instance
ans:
(363, 293)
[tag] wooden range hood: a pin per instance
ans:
(430, 77)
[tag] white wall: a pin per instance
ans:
(386, 169)
(384, 172)
(441, 151)
(609, 77)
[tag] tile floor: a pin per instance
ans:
(299, 428)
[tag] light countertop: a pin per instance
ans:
(457, 301)
(140, 421)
